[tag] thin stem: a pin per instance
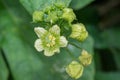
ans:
(73, 57)
(75, 45)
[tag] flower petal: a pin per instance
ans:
(55, 30)
(39, 31)
(63, 41)
(57, 50)
(48, 53)
(38, 45)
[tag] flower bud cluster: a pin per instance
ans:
(54, 13)
(75, 69)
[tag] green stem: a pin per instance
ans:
(75, 45)
(73, 57)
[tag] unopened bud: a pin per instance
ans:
(52, 17)
(85, 58)
(75, 69)
(68, 14)
(38, 16)
(79, 32)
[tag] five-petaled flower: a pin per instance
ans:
(50, 41)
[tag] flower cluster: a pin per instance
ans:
(57, 20)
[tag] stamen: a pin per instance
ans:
(51, 42)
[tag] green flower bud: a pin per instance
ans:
(60, 5)
(48, 8)
(68, 14)
(79, 32)
(52, 17)
(85, 58)
(75, 69)
(38, 16)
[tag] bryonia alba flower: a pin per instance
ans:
(79, 32)
(75, 69)
(49, 41)
(68, 14)
(85, 58)
(38, 16)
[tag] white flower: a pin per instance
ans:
(49, 41)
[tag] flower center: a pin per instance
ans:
(51, 41)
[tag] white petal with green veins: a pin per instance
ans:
(38, 45)
(55, 29)
(48, 53)
(39, 31)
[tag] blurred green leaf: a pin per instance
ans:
(32, 5)
(107, 76)
(78, 4)
(17, 11)
(116, 55)
(112, 37)
(24, 63)
(3, 69)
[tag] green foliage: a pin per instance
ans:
(78, 4)
(108, 76)
(32, 5)
(3, 68)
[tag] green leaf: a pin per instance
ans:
(107, 76)
(32, 5)
(112, 37)
(116, 56)
(3, 69)
(78, 4)
(17, 11)
(23, 61)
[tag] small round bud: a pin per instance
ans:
(68, 14)
(52, 17)
(48, 8)
(85, 58)
(60, 5)
(75, 69)
(38, 16)
(79, 32)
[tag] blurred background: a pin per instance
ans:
(20, 61)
